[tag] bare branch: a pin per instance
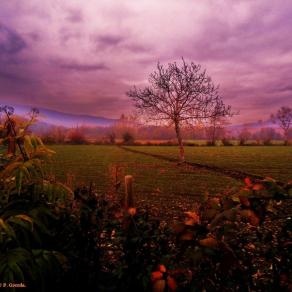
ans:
(179, 94)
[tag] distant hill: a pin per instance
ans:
(52, 117)
(48, 118)
(254, 126)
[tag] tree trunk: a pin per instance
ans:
(213, 134)
(180, 143)
(286, 139)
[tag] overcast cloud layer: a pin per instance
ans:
(81, 56)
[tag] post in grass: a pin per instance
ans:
(129, 201)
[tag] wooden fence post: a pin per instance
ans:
(70, 180)
(129, 195)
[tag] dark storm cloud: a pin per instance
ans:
(11, 77)
(10, 41)
(106, 41)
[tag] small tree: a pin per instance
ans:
(179, 95)
(283, 118)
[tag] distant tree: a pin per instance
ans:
(128, 138)
(267, 135)
(283, 118)
(76, 136)
(179, 95)
(54, 135)
(60, 134)
(112, 137)
(215, 130)
(243, 136)
(125, 124)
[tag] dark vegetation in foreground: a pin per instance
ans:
(53, 238)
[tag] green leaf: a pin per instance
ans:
(28, 147)
(25, 218)
(6, 228)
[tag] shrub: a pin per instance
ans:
(210, 143)
(128, 138)
(112, 138)
(267, 142)
(48, 139)
(28, 218)
(76, 136)
(226, 142)
(242, 142)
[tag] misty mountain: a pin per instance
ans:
(48, 118)
(253, 126)
(53, 117)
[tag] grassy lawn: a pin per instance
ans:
(161, 185)
(274, 161)
(91, 163)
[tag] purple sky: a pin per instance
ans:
(81, 56)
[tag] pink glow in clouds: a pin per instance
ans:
(81, 56)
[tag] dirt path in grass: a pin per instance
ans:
(236, 174)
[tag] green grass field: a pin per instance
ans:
(165, 182)
(165, 185)
(273, 161)
(90, 163)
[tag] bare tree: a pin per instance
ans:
(179, 95)
(284, 119)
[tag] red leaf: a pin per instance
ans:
(244, 201)
(171, 283)
(159, 286)
(209, 242)
(132, 211)
(248, 182)
(157, 275)
(258, 187)
(162, 268)
(194, 216)
(187, 236)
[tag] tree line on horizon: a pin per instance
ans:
(128, 126)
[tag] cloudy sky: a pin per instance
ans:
(81, 56)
